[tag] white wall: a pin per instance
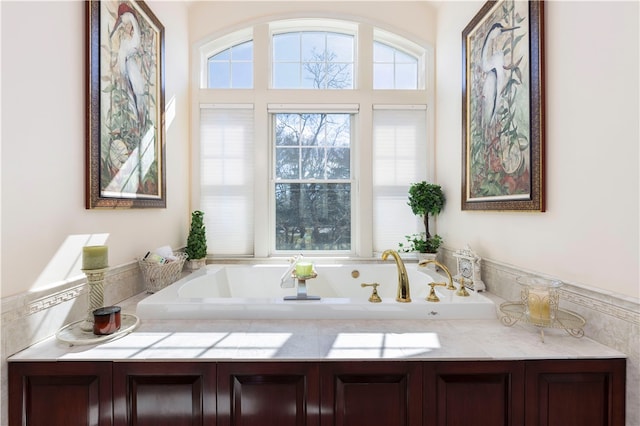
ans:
(589, 234)
(405, 18)
(592, 138)
(43, 147)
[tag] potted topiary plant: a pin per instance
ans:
(196, 242)
(424, 199)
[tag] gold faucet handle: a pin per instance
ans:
(375, 298)
(462, 291)
(433, 297)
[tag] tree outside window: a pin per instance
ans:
(313, 60)
(313, 189)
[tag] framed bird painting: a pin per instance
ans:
(503, 108)
(125, 96)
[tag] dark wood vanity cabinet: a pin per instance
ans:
(268, 394)
(575, 393)
(371, 393)
(324, 393)
(60, 393)
(481, 393)
(168, 393)
(312, 394)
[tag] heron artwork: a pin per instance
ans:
(129, 59)
(499, 110)
(129, 121)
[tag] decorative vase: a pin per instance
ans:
(427, 256)
(195, 264)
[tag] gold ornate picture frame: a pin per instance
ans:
(125, 160)
(503, 108)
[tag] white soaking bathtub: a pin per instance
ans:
(254, 292)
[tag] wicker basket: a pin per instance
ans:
(157, 276)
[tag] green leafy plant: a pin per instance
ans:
(424, 199)
(418, 242)
(197, 240)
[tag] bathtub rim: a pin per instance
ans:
(167, 304)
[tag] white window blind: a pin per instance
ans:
(399, 159)
(226, 178)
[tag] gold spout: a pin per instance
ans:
(450, 285)
(403, 294)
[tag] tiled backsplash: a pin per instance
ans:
(612, 319)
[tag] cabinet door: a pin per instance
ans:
(575, 393)
(157, 394)
(371, 393)
(474, 393)
(60, 393)
(268, 394)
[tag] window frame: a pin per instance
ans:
(313, 25)
(230, 64)
(217, 45)
(262, 95)
(301, 63)
(394, 63)
(408, 47)
(352, 110)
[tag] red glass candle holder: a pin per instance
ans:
(106, 320)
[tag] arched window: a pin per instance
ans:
(398, 63)
(312, 60)
(393, 68)
(232, 68)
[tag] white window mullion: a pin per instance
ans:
(312, 108)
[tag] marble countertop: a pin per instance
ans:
(313, 340)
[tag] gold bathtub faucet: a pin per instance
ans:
(403, 294)
(450, 285)
(461, 292)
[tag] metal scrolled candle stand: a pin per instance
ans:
(95, 282)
